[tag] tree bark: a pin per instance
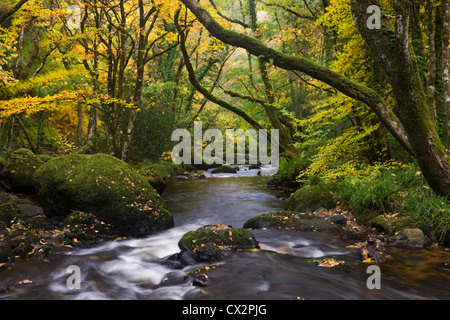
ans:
(80, 113)
(271, 112)
(141, 61)
(205, 92)
(10, 12)
(445, 60)
(441, 117)
(431, 80)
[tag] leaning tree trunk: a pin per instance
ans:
(392, 51)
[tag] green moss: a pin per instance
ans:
(105, 186)
(224, 236)
(311, 198)
(158, 174)
(86, 228)
(5, 252)
(210, 243)
(8, 212)
(390, 224)
(290, 220)
(22, 167)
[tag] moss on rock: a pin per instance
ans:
(158, 174)
(5, 252)
(221, 235)
(22, 167)
(210, 243)
(311, 198)
(10, 211)
(290, 220)
(105, 186)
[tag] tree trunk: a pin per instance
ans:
(10, 12)
(392, 51)
(10, 137)
(445, 60)
(441, 117)
(139, 81)
(205, 92)
(271, 112)
(79, 137)
(431, 80)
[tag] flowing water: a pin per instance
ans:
(282, 269)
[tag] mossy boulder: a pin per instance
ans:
(10, 211)
(210, 243)
(311, 198)
(105, 186)
(5, 252)
(159, 174)
(410, 237)
(224, 169)
(23, 164)
(290, 220)
(85, 227)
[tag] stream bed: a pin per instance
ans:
(283, 269)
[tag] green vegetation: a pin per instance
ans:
(395, 198)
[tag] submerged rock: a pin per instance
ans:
(201, 280)
(410, 237)
(105, 186)
(224, 169)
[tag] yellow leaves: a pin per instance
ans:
(30, 105)
(328, 263)
(58, 76)
(357, 245)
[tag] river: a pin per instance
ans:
(282, 269)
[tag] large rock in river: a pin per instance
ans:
(104, 186)
(291, 220)
(210, 244)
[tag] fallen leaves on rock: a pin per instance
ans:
(328, 263)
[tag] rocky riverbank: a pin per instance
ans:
(77, 200)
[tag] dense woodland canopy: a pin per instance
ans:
(119, 76)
